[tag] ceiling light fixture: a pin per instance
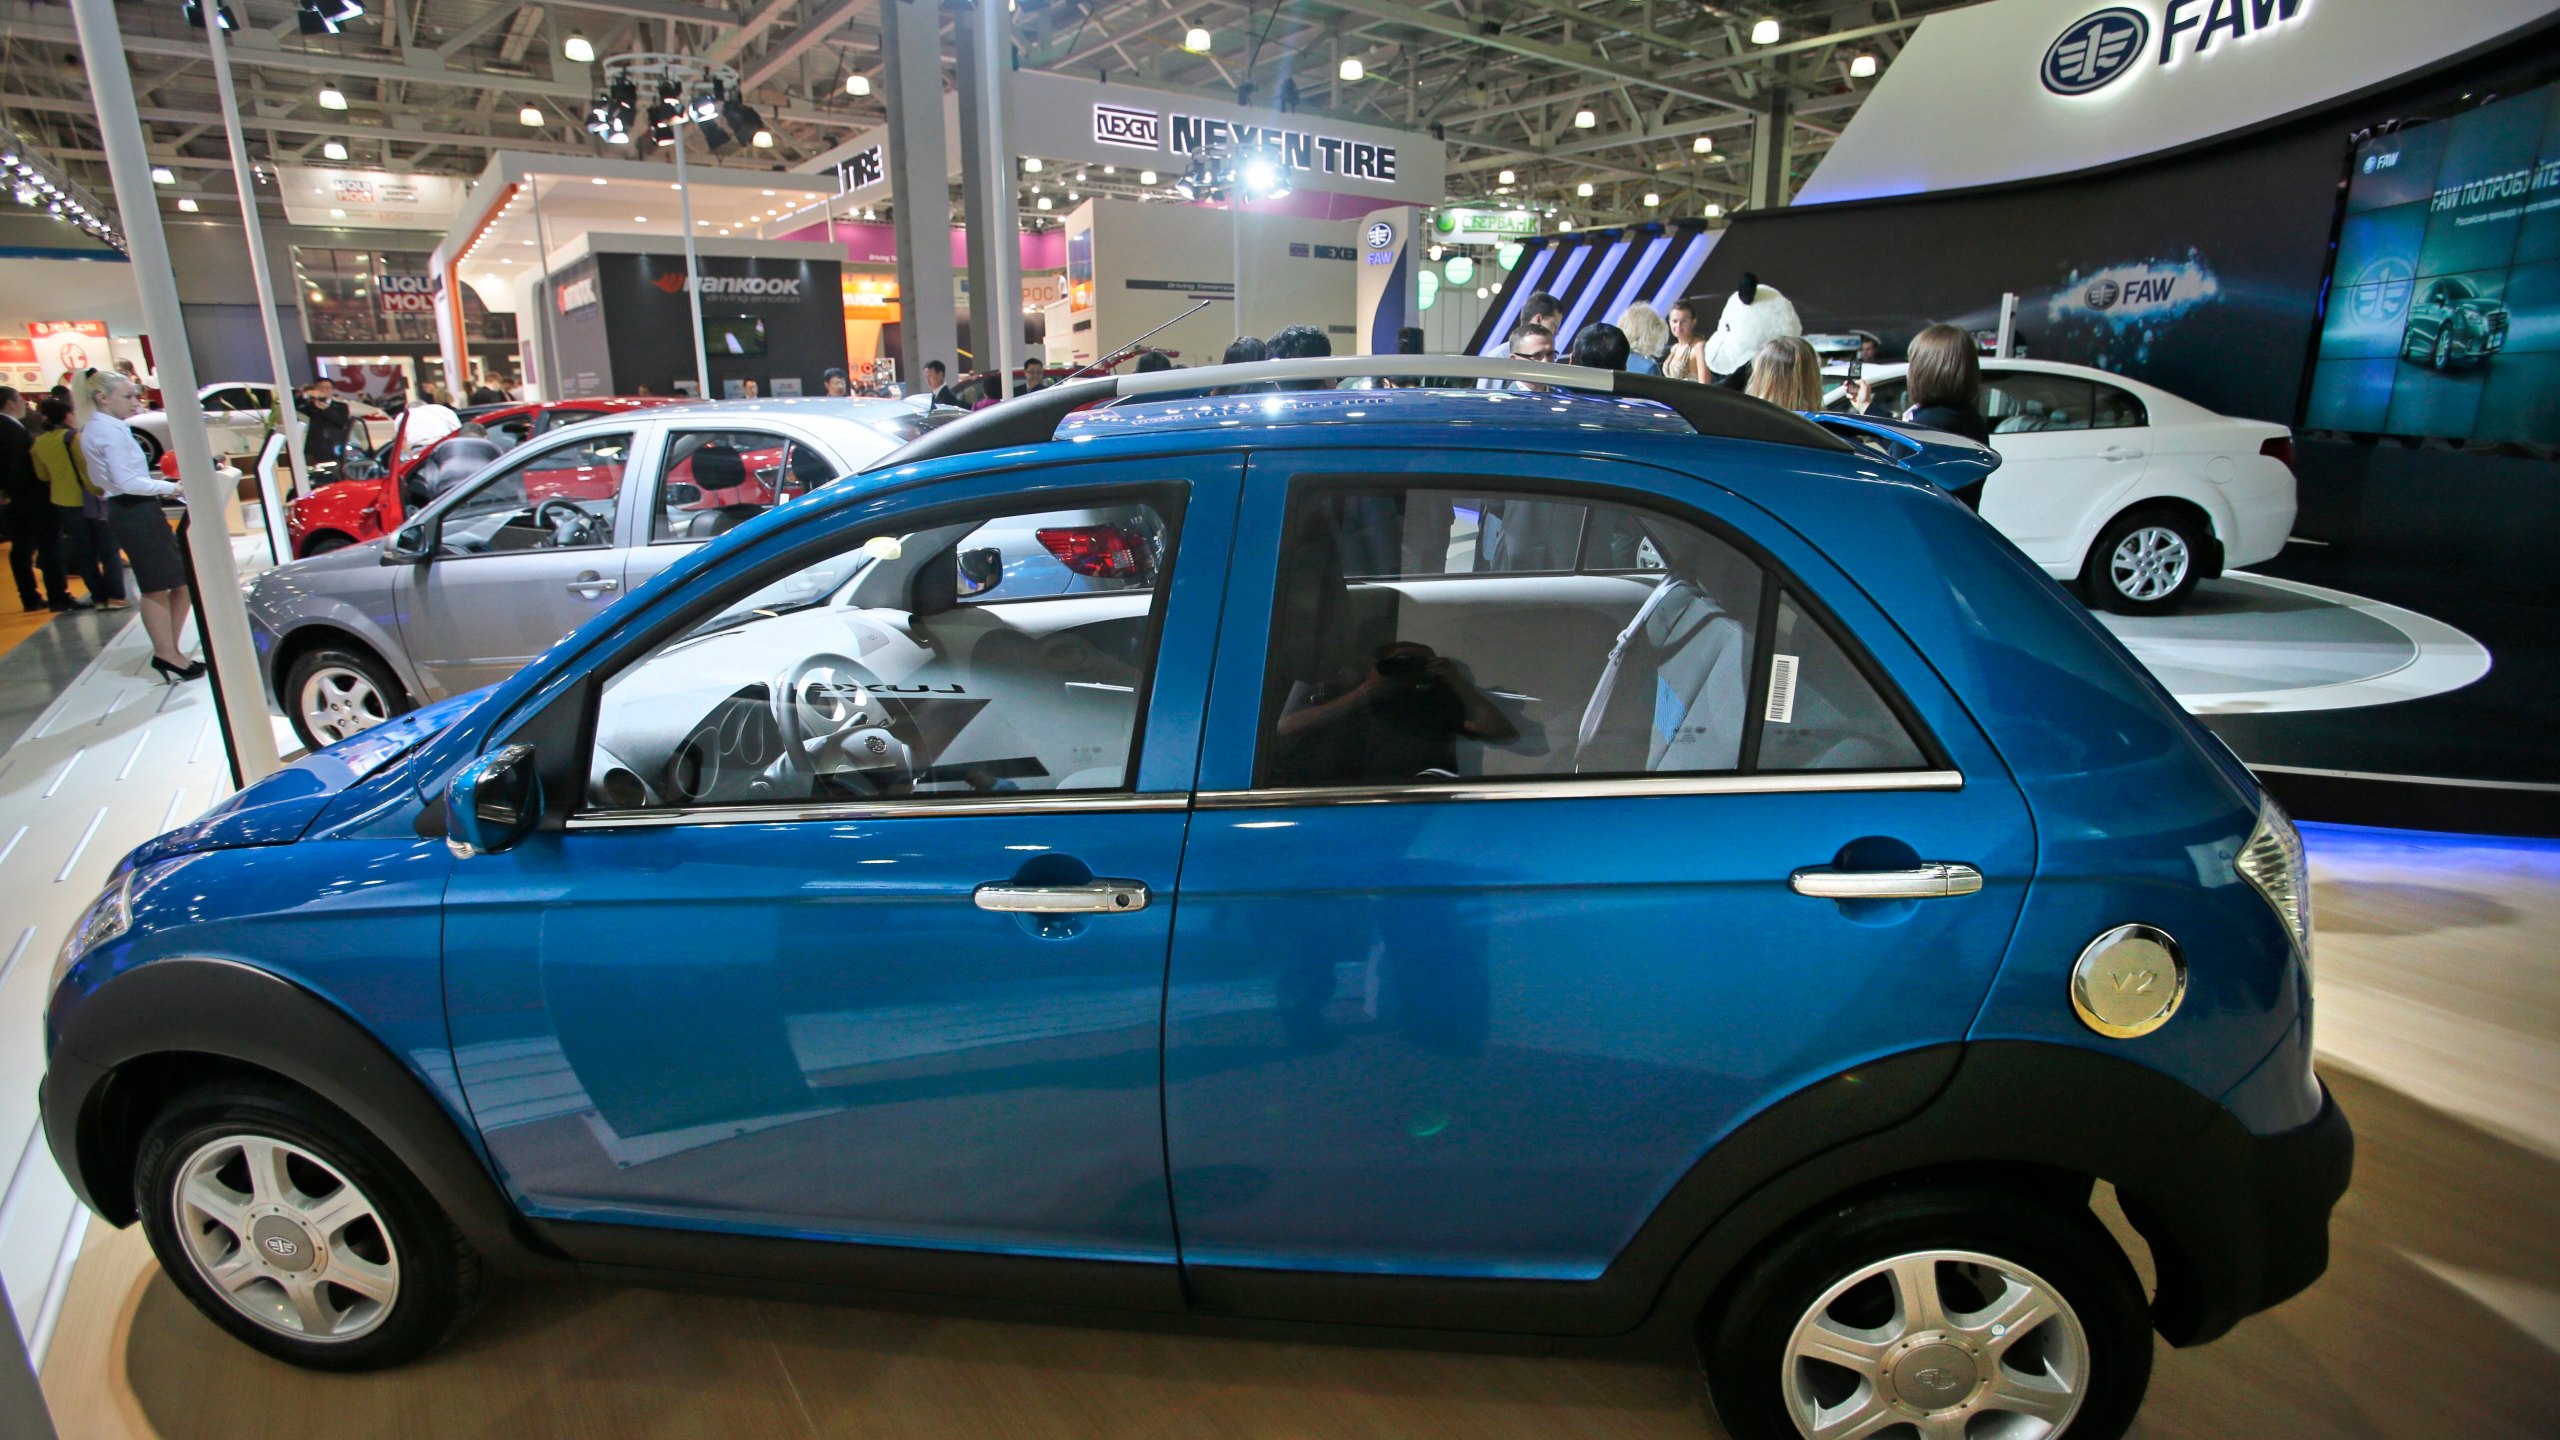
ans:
(1862, 67)
(1583, 189)
(334, 150)
(1765, 32)
(578, 49)
(331, 97)
(1353, 70)
(1703, 145)
(1714, 211)
(1196, 40)
(1585, 120)
(857, 84)
(163, 175)
(1651, 200)
(531, 116)
(1146, 177)
(188, 204)
(1506, 178)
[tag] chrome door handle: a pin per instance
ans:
(1931, 881)
(1094, 897)
(589, 586)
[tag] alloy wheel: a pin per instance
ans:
(338, 701)
(1947, 1344)
(2148, 563)
(2444, 347)
(286, 1239)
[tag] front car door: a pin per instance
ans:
(859, 930)
(522, 556)
(1488, 931)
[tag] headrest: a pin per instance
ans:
(717, 466)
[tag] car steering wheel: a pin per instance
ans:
(831, 724)
(570, 529)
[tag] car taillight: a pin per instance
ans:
(2281, 448)
(1104, 551)
(2273, 862)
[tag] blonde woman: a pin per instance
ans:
(105, 400)
(1648, 336)
(1687, 358)
(1787, 373)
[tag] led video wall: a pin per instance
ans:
(2443, 311)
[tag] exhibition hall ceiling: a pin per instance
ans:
(1583, 108)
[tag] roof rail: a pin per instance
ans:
(1034, 419)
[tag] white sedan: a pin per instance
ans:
(235, 420)
(2120, 485)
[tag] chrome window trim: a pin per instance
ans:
(1073, 802)
(1787, 782)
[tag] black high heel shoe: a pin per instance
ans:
(176, 674)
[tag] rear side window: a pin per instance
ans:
(2024, 402)
(1426, 635)
(2117, 410)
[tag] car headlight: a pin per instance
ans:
(2275, 866)
(111, 914)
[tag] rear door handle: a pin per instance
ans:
(591, 585)
(1094, 897)
(1934, 880)
(2119, 452)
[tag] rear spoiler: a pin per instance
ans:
(1950, 462)
(1034, 419)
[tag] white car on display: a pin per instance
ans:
(235, 420)
(2120, 485)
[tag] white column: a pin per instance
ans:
(238, 696)
(987, 199)
(693, 274)
(245, 180)
(920, 179)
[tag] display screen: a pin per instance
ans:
(2443, 311)
(733, 334)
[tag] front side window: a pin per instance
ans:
(716, 480)
(2021, 402)
(1424, 636)
(866, 674)
(562, 498)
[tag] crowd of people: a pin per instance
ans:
(82, 504)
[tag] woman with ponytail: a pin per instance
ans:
(104, 401)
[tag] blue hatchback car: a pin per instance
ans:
(1608, 861)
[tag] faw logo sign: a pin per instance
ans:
(2104, 46)
(736, 287)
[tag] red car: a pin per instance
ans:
(349, 512)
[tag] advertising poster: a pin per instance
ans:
(2443, 309)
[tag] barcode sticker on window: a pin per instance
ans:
(1782, 689)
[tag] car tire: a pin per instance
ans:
(337, 691)
(151, 450)
(2443, 356)
(340, 1259)
(2145, 562)
(324, 543)
(1841, 1286)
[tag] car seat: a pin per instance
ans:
(1672, 695)
(451, 463)
(717, 467)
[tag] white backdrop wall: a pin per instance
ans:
(1967, 102)
(1152, 262)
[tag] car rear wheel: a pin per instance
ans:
(150, 449)
(1942, 1314)
(324, 543)
(291, 1228)
(338, 691)
(2144, 563)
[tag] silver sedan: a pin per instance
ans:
(507, 562)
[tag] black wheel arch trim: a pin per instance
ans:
(115, 1044)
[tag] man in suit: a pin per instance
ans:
(28, 523)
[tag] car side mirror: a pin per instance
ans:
(493, 802)
(981, 570)
(679, 494)
(412, 546)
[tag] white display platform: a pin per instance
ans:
(2252, 644)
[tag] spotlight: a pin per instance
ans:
(578, 49)
(327, 17)
(1353, 70)
(531, 116)
(1703, 145)
(1585, 120)
(1196, 40)
(163, 175)
(662, 134)
(1765, 32)
(762, 139)
(334, 150)
(194, 12)
(707, 104)
(857, 84)
(1862, 67)
(624, 109)
(331, 97)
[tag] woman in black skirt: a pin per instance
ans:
(106, 400)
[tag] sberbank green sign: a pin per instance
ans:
(1465, 224)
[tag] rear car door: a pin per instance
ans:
(714, 478)
(2058, 476)
(1490, 926)
(522, 556)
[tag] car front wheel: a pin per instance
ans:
(291, 1228)
(1945, 1314)
(2144, 563)
(339, 691)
